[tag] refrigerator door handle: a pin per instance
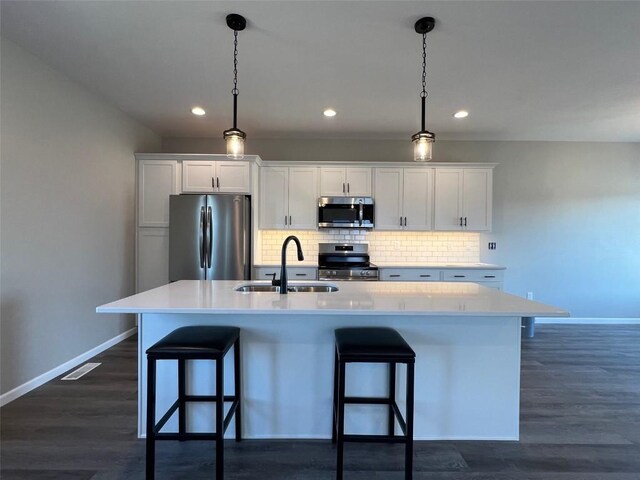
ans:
(202, 237)
(209, 237)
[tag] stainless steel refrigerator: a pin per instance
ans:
(209, 237)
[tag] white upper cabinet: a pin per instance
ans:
(303, 198)
(403, 198)
(388, 199)
(289, 198)
(157, 179)
(463, 198)
(208, 176)
(274, 197)
(345, 182)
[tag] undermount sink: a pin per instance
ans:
(308, 287)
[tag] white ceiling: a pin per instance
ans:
(525, 70)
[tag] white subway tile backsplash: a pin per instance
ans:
(388, 247)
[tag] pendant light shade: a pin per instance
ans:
(423, 140)
(423, 146)
(235, 137)
(235, 143)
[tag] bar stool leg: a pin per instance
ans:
(151, 419)
(238, 388)
(182, 404)
(408, 462)
(219, 418)
(392, 398)
(334, 418)
(340, 418)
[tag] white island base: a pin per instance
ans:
(467, 376)
(466, 338)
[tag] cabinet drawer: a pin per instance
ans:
(294, 273)
(472, 275)
(410, 275)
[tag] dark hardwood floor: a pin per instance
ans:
(580, 420)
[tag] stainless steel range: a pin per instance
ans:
(344, 261)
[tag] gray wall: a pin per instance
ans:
(67, 207)
(566, 216)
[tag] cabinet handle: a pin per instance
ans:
(301, 274)
(285, 220)
(213, 182)
(394, 276)
(489, 276)
(400, 221)
(343, 189)
(458, 276)
(465, 221)
(460, 221)
(348, 187)
(425, 276)
(405, 221)
(290, 222)
(218, 180)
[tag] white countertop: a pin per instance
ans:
(353, 298)
(442, 266)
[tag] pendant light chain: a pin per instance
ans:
(424, 93)
(235, 63)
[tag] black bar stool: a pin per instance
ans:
(194, 343)
(373, 345)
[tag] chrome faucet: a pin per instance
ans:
(283, 268)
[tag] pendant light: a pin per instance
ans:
(234, 136)
(423, 140)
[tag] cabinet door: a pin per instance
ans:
(476, 199)
(332, 182)
(152, 258)
(303, 198)
(448, 199)
(409, 275)
(418, 198)
(388, 203)
(358, 182)
(198, 176)
(233, 177)
(157, 179)
(274, 197)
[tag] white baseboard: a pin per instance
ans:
(589, 321)
(11, 395)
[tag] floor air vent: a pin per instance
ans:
(83, 370)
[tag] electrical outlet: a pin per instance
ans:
(529, 295)
(492, 245)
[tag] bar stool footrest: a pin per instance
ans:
(374, 438)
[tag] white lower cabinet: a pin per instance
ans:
(486, 277)
(293, 273)
(152, 259)
(410, 274)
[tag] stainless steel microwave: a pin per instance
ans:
(345, 212)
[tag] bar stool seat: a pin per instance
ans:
(357, 344)
(373, 345)
(194, 343)
(196, 340)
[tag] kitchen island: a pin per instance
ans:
(466, 338)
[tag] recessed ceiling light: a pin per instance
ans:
(461, 114)
(330, 112)
(198, 111)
